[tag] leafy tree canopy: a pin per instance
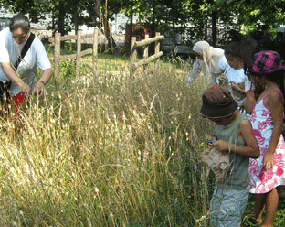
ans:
(244, 15)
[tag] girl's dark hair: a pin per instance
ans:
(277, 76)
(19, 21)
(247, 50)
(233, 49)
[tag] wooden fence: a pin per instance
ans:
(145, 43)
(57, 57)
(135, 44)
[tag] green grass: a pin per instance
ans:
(112, 62)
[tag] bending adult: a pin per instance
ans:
(23, 74)
(207, 60)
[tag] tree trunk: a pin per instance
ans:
(111, 42)
(214, 27)
(60, 22)
(131, 31)
(61, 17)
(153, 19)
(94, 13)
(173, 40)
(76, 25)
(53, 23)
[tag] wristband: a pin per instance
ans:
(42, 82)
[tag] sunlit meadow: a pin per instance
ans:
(108, 149)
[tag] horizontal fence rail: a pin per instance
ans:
(57, 57)
(144, 44)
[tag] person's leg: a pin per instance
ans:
(259, 205)
(281, 192)
(215, 206)
(271, 208)
(236, 206)
(227, 207)
(259, 216)
(5, 106)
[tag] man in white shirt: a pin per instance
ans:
(23, 77)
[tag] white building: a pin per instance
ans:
(119, 24)
(5, 16)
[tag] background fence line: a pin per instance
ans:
(94, 51)
(145, 44)
(57, 57)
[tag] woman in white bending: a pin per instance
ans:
(207, 60)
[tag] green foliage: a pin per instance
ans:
(243, 16)
(253, 15)
(249, 221)
(67, 68)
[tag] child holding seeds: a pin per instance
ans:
(234, 136)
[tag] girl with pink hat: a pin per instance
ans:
(267, 173)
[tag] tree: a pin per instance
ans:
(40, 8)
(159, 13)
(252, 16)
(70, 12)
(170, 16)
(245, 16)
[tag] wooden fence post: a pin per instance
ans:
(157, 48)
(78, 54)
(145, 52)
(56, 55)
(146, 60)
(133, 54)
(95, 50)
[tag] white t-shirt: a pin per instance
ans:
(232, 74)
(27, 69)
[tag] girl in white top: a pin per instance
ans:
(12, 41)
(232, 66)
(207, 59)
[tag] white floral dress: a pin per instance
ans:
(262, 181)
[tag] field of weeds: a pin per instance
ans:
(108, 149)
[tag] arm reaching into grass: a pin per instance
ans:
(11, 75)
(40, 85)
(197, 67)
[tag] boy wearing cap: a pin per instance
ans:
(234, 136)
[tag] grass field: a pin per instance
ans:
(110, 149)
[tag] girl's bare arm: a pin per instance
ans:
(249, 102)
(274, 102)
(250, 150)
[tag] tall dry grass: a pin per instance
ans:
(108, 150)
